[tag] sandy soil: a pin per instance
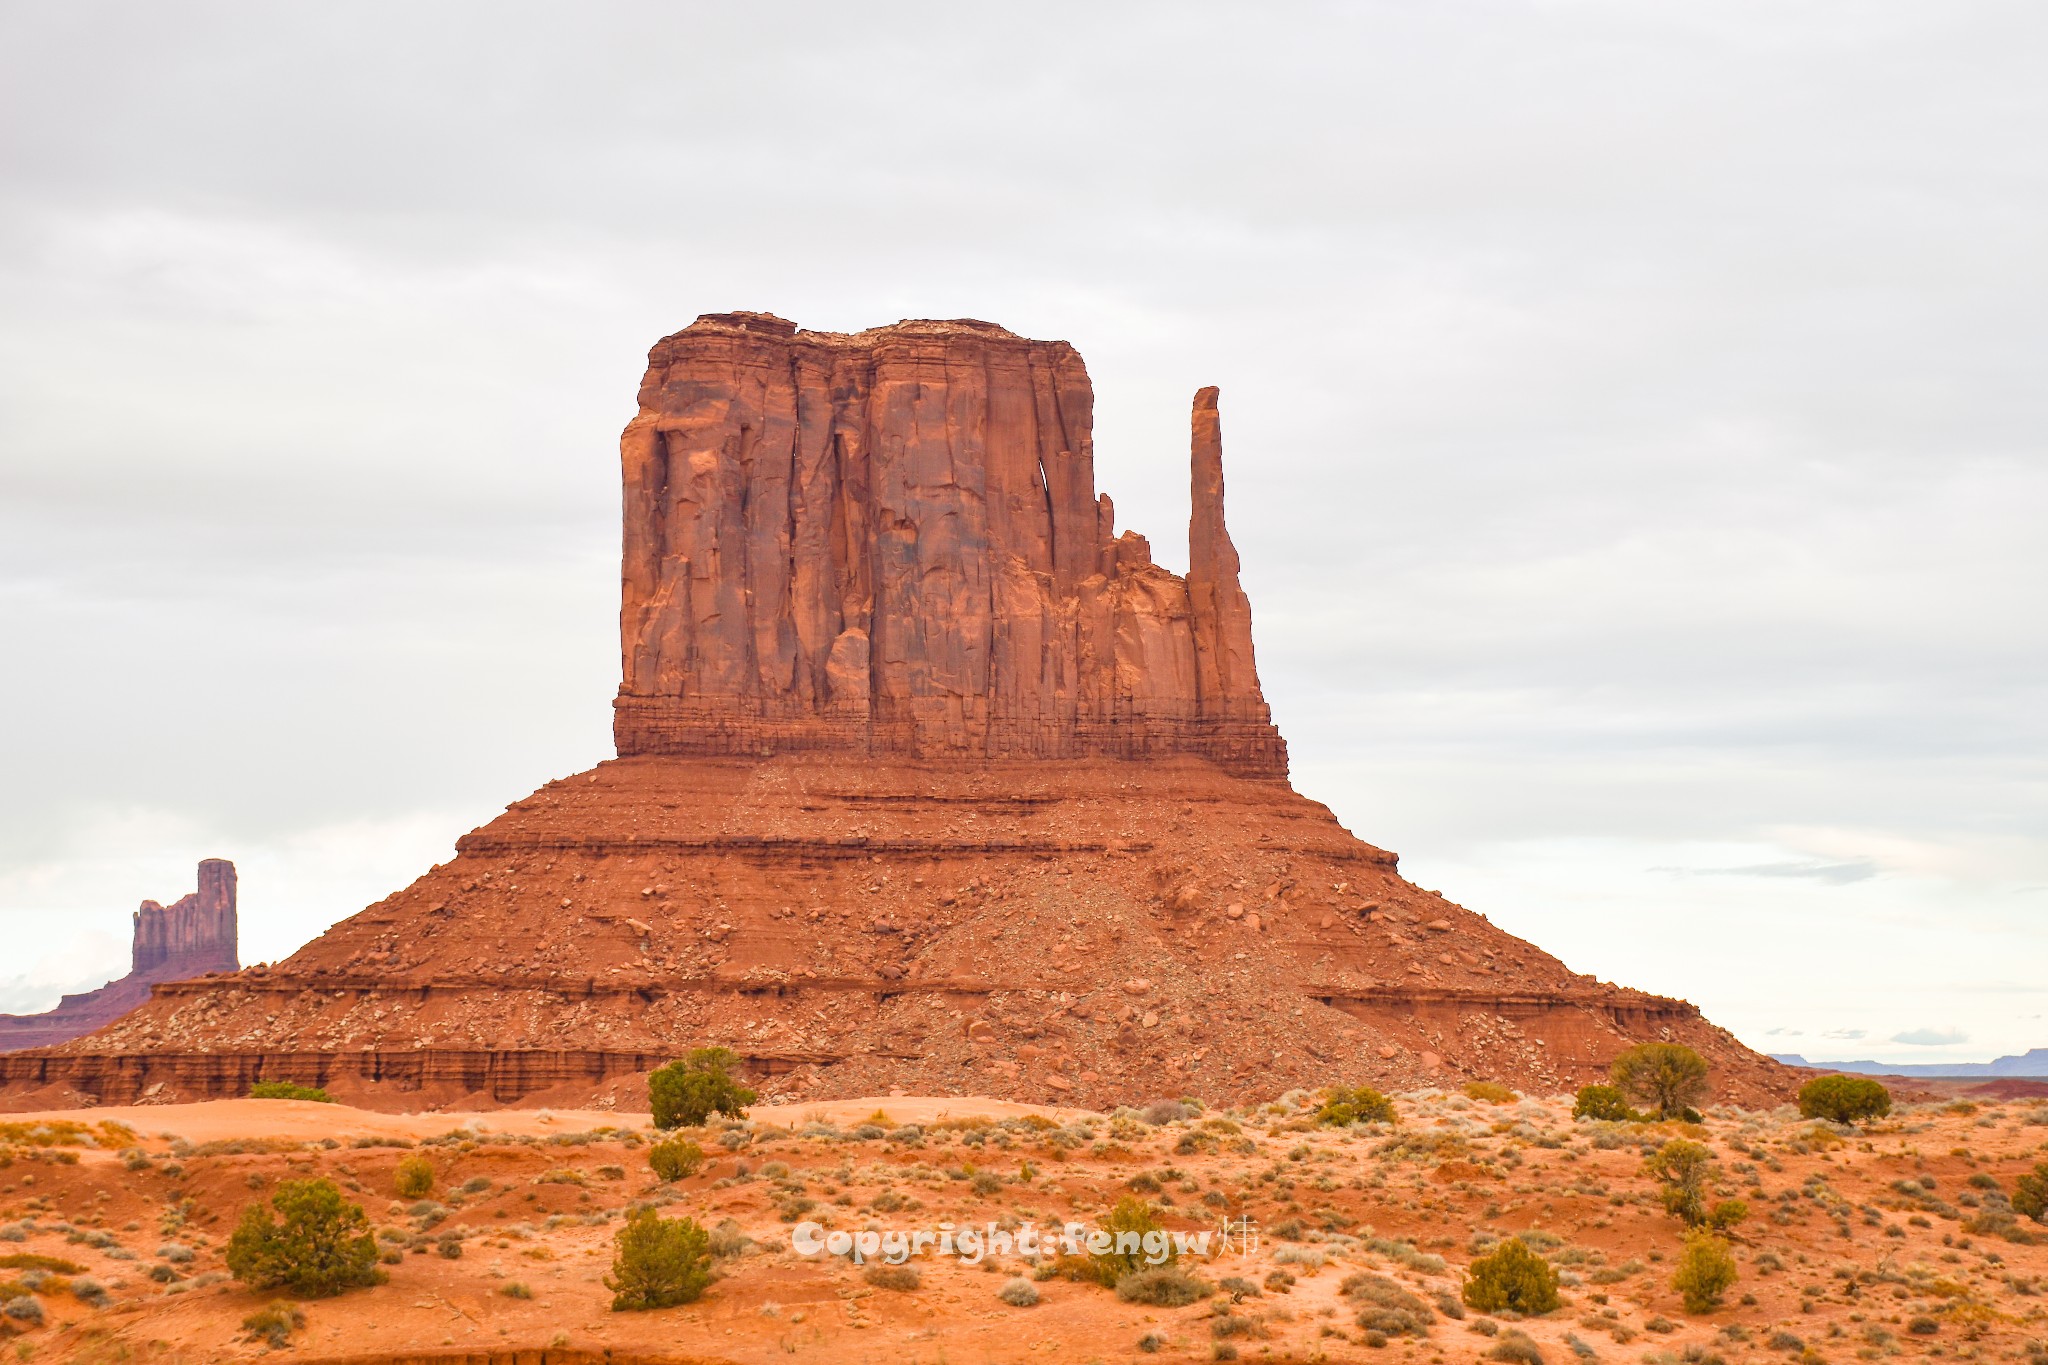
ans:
(1859, 1245)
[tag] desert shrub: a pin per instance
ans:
(1238, 1288)
(1279, 1282)
(286, 1090)
(685, 1093)
(1510, 1278)
(1844, 1099)
(413, 1178)
(23, 1308)
(658, 1262)
(1166, 1111)
(1489, 1092)
(728, 1240)
(1923, 1326)
(450, 1246)
(1161, 1287)
(2030, 1194)
(902, 1278)
(36, 1260)
(1130, 1225)
(675, 1158)
(1605, 1102)
(1515, 1346)
(1705, 1272)
(1667, 1076)
(1345, 1105)
(1385, 1307)
(274, 1324)
(317, 1244)
(88, 1290)
(1019, 1293)
(1683, 1167)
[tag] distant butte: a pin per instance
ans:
(928, 780)
(197, 934)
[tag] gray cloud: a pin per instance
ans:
(1632, 415)
(1931, 1037)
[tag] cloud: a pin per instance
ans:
(1931, 1037)
(1838, 874)
(1631, 415)
(1845, 1034)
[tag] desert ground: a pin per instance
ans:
(1861, 1244)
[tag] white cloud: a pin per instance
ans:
(1931, 1037)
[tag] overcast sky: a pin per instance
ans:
(1634, 419)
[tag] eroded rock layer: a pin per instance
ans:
(193, 935)
(891, 542)
(1090, 932)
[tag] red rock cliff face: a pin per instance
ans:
(891, 542)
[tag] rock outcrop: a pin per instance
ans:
(891, 543)
(926, 781)
(197, 934)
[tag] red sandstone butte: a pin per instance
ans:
(927, 780)
(891, 542)
(195, 935)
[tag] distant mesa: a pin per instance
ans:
(2031, 1063)
(195, 935)
(929, 780)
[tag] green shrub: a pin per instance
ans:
(274, 1324)
(413, 1178)
(1844, 1099)
(1603, 1102)
(1131, 1218)
(1355, 1104)
(1668, 1077)
(2030, 1194)
(685, 1093)
(1385, 1307)
(1162, 1287)
(318, 1244)
(658, 1262)
(1510, 1278)
(1683, 1167)
(286, 1090)
(1705, 1272)
(675, 1158)
(1489, 1092)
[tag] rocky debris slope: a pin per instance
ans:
(926, 782)
(891, 542)
(195, 935)
(1089, 933)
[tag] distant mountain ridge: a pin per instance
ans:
(2032, 1062)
